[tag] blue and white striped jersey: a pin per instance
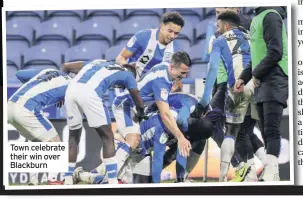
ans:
(154, 137)
(101, 75)
(234, 49)
(184, 104)
(147, 51)
(38, 91)
(155, 84)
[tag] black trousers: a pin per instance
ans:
(270, 115)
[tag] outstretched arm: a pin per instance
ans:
(215, 57)
(25, 75)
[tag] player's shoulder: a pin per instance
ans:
(163, 66)
(143, 34)
(186, 97)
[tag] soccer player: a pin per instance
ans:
(153, 46)
(150, 47)
(157, 84)
(40, 89)
(233, 48)
(154, 137)
(84, 95)
(269, 73)
(247, 141)
(185, 104)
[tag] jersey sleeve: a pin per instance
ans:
(159, 151)
(136, 42)
(25, 75)
(183, 115)
(130, 81)
(161, 90)
(210, 37)
(213, 66)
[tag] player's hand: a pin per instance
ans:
(239, 86)
(257, 82)
(133, 64)
(140, 115)
(118, 137)
(184, 146)
(60, 104)
(199, 110)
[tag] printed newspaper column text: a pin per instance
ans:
(38, 157)
(300, 93)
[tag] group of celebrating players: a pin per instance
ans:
(151, 113)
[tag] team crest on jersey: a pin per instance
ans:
(131, 42)
(164, 93)
(163, 138)
(150, 50)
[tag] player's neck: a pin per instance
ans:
(161, 39)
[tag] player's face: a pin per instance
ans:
(222, 27)
(180, 72)
(221, 10)
(169, 32)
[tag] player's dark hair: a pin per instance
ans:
(173, 17)
(130, 68)
(230, 17)
(181, 57)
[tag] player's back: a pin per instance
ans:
(178, 100)
(157, 75)
(148, 130)
(235, 52)
(148, 52)
(153, 85)
(101, 76)
(40, 92)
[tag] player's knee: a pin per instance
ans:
(105, 132)
(74, 135)
(133, 140)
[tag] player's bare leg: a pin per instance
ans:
(52, 177)
(109, 159)
(74, 139)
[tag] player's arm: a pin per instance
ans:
(123, 57)
(210, 37)
(246, 74)
(25, 75)
(160, 91)
(183, 115)
(171, 124)
(132, 46)
(131, 85)
(73, 67)
(272, 31)
(213, 65)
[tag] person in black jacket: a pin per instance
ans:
(269, 73)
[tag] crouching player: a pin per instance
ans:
(40, 89)
(154, 136)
